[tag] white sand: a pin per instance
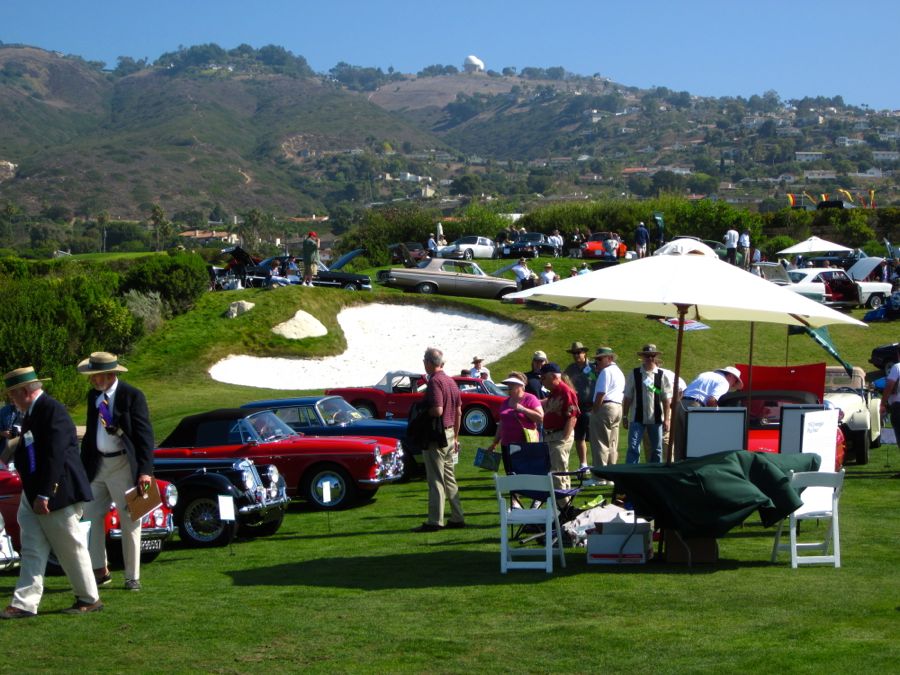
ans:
(381, 337)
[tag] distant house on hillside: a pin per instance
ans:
(204, 237)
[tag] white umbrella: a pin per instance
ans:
(813, 245)
(685, 246)
(692, 286)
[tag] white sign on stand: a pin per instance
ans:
(226, 507)
(819, 434)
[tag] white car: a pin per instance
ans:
(860, 417)
(873, 292)
(829, 285)
(466, 248)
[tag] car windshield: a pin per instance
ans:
(796, 276)
(599, 236)
(493, 388)
(262, 427)
(337, 412)
(530, 236)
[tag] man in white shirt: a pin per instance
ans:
(523, 274)
(743, 247)
(548, 276)
(478, 370)
(606, 414)
(706, 391)
(731, 242)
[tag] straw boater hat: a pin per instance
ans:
(649, 350)
(20, 377)
(576, 347)
(101, 362)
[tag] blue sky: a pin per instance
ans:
(711, 48)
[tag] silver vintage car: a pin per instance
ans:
(447, 277)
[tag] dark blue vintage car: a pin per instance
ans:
(333, 416)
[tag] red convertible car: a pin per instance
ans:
(330, 473)
(157, 526)
(595, 246)
(395, 393)
(773, 388)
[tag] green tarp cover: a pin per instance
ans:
(708, 496)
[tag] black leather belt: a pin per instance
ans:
(112, 454)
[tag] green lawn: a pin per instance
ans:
(357, 591)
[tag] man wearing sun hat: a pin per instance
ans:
(533, 383)
(478, 370)
(54, 487)
(117, 451)
(648, 396)
(583, 378)
(704, 391)
(606, 415)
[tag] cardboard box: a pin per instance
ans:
(615, 549)
(699, 550)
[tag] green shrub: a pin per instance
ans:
(179, 279)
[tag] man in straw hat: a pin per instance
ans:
(117, 451)
(583, 378)
(706, 391)
(54, 486)
(648, 396)
(606, 415)
(478, 369)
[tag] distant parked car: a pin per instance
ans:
(259, 494)
(595, 246)
(253, 272)
(331, 473)
(466, 248)
(885, 356)
(843, 259)
(830, 286)
(860, 416)
(447, 277)
(530, 245)
(415, 251)
(394, 394)
(333, 416)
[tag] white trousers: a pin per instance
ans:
(61, 531)
(109, 485)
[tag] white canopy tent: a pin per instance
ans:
(690, 286)
(685, 246)
(813, 245)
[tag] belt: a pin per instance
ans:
(695, 400)
(611, 403)
(112, 454)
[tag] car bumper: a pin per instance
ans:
(390, 469)
(151, 537)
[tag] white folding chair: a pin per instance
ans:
(820, 502)
(546, 514)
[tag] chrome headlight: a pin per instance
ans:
(157, 518)
(273, 474)
(377, 453)
(171, 496)
(247, 479)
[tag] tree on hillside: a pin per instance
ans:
(127, 65)
(162, 227)
(468, 184)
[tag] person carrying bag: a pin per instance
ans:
(520, 416)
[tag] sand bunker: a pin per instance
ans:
(380, 337)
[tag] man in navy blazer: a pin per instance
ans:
(54, 486)
(117, 451)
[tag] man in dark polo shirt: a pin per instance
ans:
(443, 403)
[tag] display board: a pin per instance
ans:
(711, 430)
(819, 434)
(792, 425)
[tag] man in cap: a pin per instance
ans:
(649, 391)
(606, 415)
(54, 487)
(117, 451)
(311, 259)
(584, 269)
(583, 378)
(431, 245)
(533, 377)
(560, 417)
(478, 369)
(641, 239)
(524, 275)
(704, 391)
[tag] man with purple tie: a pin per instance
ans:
(117, 451)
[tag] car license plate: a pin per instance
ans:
(151, 545)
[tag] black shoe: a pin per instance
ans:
(16, 613)
(132, 585)
(82, 607)
(427, 527)
(455, 524)
(104, 579)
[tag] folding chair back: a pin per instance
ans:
(546, 515)
(821, 495)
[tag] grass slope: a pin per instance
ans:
(355, 591)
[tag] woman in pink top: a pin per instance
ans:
(518, 412)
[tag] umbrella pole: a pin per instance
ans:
(676, 391)
(749, 382)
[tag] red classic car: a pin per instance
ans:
(157, 525)
(394, 394)
(773, 388)
(595, 246)
(329, 472)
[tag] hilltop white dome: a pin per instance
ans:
(473, 64)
